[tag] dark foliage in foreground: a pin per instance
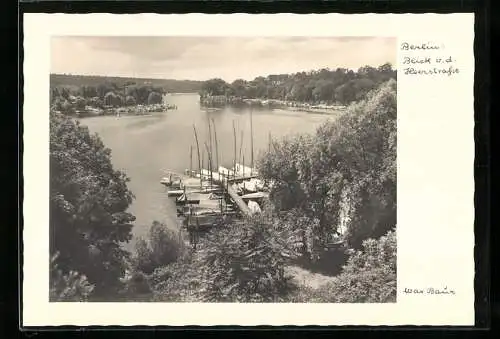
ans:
(246, 263)
(369, 276)
(342, 176)
(88, 200)
(162, 247)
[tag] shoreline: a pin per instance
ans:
(219, 102)
(122, 111)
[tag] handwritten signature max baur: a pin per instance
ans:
(429, 290)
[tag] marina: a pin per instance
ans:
(206, 198)
(165, 145)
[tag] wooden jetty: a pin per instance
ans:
(225, 183)
(243, 207)
(206, 198)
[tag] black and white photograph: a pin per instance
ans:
(248, 170)
(223, 169)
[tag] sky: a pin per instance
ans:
(202, 58)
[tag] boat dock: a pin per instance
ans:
(242, 206)
(207, 198)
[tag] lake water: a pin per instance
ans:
(144, 146)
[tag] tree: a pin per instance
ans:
(71, 286)
(369, 275)
(323, 90)
(345, 171)
(88, 91)
(154, 98)
(130, 101)
(66, 107)
(143, 93)
(239, 86)
(113, 99)
(324, 85)
(246, 263)
(65, 93)
(345, 93)
(214, 87)
(367, 141)
(119, 100)
(54, 94)
(80, 103)
(162, 248)
(88, 203)
(103, 89)
(110, 99)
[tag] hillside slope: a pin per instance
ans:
(175, 86)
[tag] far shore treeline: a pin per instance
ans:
(72, 94)
(326, 86)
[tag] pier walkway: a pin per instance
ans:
(243, 207)
(226, 183)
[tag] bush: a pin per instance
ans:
(245, 263)
(71, 286)
(344, 173)
(369, 275)
(136, 287)
(178, 282)
(160, 249)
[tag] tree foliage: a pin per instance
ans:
(88, 200)
(70, 286)
(369, 276)
(245, 263)
(329, 86)
(161, 248)
(113, 99)
(93, 82)
(130, 101)
(233, 263)
(104, 93)
(154, 98)
(345, 171)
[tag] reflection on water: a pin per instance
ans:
(144, 146)
(143, 121)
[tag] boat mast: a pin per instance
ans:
(243, 170)
(199, 160)
(209, 163)
(241, 145)
(191, 160)
(202, 160)
(251, 141)
(234, 159)
(216, 146)
(210, 151)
